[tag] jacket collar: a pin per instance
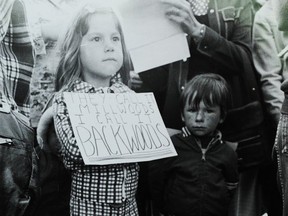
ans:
(186, 134)
(84, 87)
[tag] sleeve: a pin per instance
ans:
(231, 170)
(234, 52)
(268, 65)
(5, 16)
(35, 19)
(64, 131)
(158, 175)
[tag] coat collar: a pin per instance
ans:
(187, 136)
(84, 87)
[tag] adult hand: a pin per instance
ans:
(180, 12)
(135, 80)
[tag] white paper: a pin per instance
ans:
(151, 38)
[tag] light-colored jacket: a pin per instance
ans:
(268, 41)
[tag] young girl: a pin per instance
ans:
(93, 57)
(201, 179)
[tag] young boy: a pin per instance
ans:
(202, 178)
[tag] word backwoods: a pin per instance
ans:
(118, 128)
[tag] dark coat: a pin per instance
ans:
(225, 49)
(194, 183)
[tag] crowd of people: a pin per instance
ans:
(223, 107)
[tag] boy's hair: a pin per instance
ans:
(70, 66)
(211, 88)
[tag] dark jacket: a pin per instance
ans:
(18, 182)
(281, 148)
(224, 49)
(194, 183)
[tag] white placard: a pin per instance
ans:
(118, 128)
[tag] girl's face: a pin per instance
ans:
(202, 121)
(101, 48)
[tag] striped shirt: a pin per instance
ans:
(94, 184)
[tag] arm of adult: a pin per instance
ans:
(157, 174)
(231, 171)
(231, 53)
(268, 65)
(5, 16)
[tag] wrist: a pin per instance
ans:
(199, 34)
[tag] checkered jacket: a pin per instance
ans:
(110, 184)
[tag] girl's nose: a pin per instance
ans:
(109, 47)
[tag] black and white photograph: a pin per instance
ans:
(143, 107)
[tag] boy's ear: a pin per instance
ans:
(221, 120)
(223, 116)
(182, 117)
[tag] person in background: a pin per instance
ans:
(23, 42)
(202, 179)
(18, 176)
(257, 4)
(280, 8)
(220, 40)
(267, 42)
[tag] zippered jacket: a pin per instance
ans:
(196, 182)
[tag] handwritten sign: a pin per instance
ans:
(118, 128)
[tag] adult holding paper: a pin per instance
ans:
(220, 39)
(219, 34)
(92, 54)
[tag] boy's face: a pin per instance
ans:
(203, 121)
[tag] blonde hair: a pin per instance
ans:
(70, 67)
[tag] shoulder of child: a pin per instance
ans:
(178, 140)
(232, 145)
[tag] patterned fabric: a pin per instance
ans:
(16, 53)
(94, 187)
(80, 207)
(199, 7)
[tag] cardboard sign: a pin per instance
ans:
(118, 128)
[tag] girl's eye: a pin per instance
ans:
(97, 39)
(116, 38)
